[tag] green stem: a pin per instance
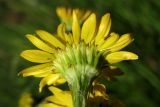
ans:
(79, 94)
(79, 99)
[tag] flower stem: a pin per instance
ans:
(79, 99)
(79, 94)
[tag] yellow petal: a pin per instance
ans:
(54, 100)
(40, 44)
(37, 56)
(75, 29)
(121, 43)
(50, 79)
(60, 97)
(104, 28)
(37, 70)
(120, 56)
(42, 74)
(124, 37)
(61, 80)
(88, 28)
(64, 99)
(63, 35)
(109, 41)
(50, 39)
(55, 90)
(61, 30)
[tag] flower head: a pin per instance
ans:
(77, 56)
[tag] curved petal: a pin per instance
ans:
(60, 97)
(88, 28)
(116, 57)
(61, 30)
(50, 79)
(104, 28)
(61, 80)
(37, 70)
(50, 39)
(55, 90)
(37, 56)
(40, 44)
(44, 74)
(121, 43)
(109, 41)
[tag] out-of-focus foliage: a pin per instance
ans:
(138, 87)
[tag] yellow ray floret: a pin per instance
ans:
(50, 79)
(104, 28)
(61, 31)
(109, 41)
(123, 41)
(61, 98)
(50, 38)
(40, 44)
(88, 29)
(116, 57)
(37, 56)
(38, 70)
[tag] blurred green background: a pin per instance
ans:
(138, 87)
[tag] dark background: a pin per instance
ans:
(138, 87)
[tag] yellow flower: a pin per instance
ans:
(84, 47)
(25, 100)
(65, 15)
